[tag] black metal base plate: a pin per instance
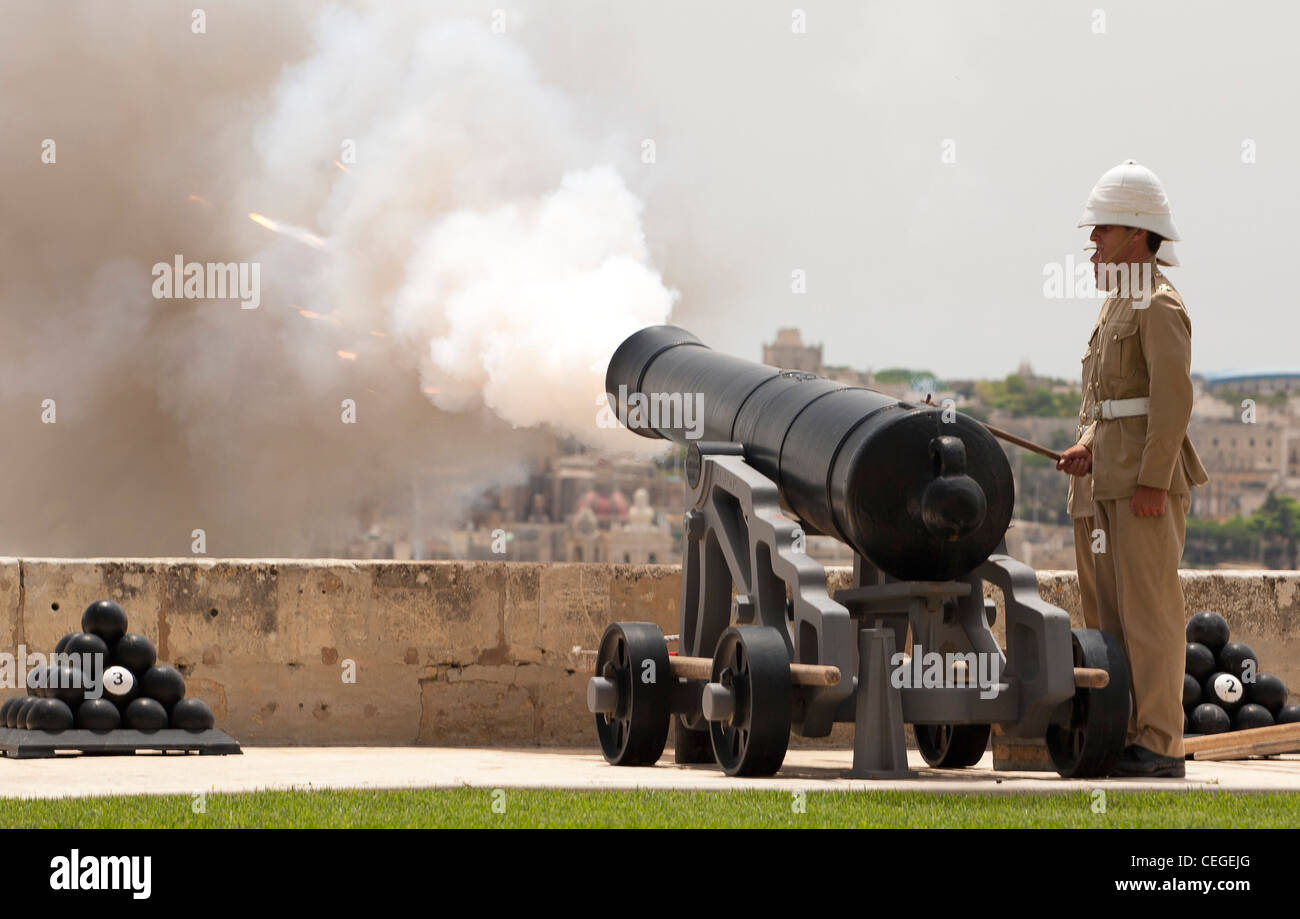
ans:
(19, 743)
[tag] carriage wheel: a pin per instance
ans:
(1093, 740)
(952, 746)
(748, 701)
(631, 693)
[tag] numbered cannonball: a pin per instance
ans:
(145, 715)
(164, 684)
(1200, 661)
(192, 715)
(1191, 692)
(98, 715)
(105, 619)
(1288, 714)
(134, 652)
(1210, 719)
(1237, 659)
(49, 715)
(120, 685)
(1267, 690)
(1208, 628)
(1250, 716)
(1225, 691)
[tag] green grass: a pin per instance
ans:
(474, 807)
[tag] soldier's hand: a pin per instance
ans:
(1147, 502)
(1076, 461)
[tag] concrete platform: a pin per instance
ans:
(431, 767)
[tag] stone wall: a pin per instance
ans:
(443, 653)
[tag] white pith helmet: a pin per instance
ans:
(1130, 195)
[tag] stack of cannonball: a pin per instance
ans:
(138, 692)
(1223, 689)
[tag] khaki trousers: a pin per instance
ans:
(1139, 600)
(1087, 567)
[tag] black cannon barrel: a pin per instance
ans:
(921, 494)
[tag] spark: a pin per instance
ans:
(348, 355)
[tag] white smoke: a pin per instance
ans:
(478, 221)
(479, 258)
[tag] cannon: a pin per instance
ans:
(922, 495)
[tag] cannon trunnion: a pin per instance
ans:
(923, 496)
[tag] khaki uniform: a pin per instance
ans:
(1079, 504)
(1142, 348)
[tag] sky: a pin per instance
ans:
(821, 151)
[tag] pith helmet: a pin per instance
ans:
(1130, 195)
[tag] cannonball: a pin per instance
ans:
(68, 684)
(105, 619)
(192, 714)
(21, 718)
(1250, 716)
(164, 684)
(145, 715)
(1200, 661)
(63, 642)
(1210, 719)
(51, 714)
(38, 680)
(1268, 690)
(1191, 692)
(8, 710)
(98, 715)
(1208, 628)
(86, 645)
(1288, 714)
(134, 652)
(1233, 658)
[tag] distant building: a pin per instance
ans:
(790, 353)
(1264, 381)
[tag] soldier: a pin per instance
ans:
(1133, 462)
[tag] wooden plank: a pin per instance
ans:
(1233, 739)
(1259, 748)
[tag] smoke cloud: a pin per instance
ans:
(447, 247)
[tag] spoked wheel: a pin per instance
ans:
(952, 746)
(631, 693)
(748, 701)
(1093, 740)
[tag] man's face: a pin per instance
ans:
(1113, 245)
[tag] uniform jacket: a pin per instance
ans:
(1139, 347)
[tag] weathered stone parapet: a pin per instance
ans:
(446, 653)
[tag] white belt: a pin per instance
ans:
(1110, 409)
